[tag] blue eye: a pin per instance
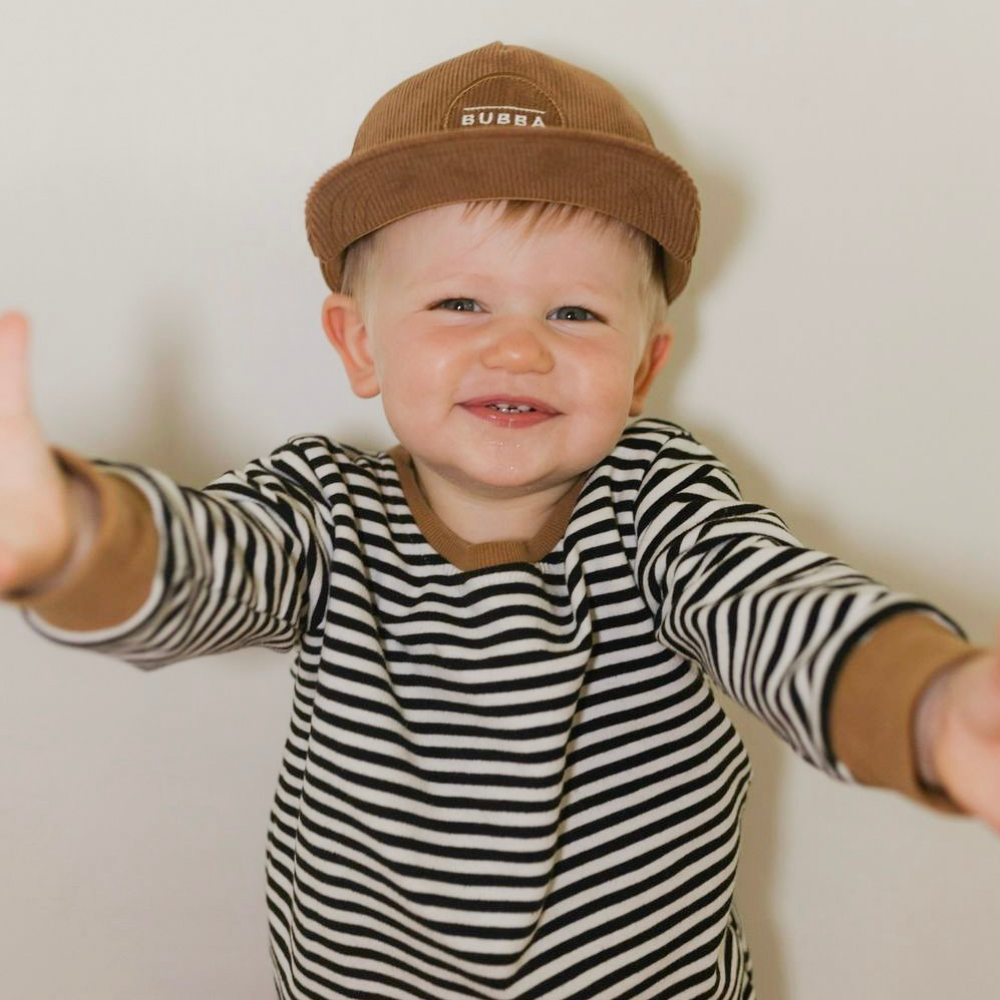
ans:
(463, 308)
(578, 309)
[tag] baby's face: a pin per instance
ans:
(505, 368)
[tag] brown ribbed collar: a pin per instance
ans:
(481, 555)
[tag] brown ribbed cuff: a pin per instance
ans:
(116, 576)
(876, 697)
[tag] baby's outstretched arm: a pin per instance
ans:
(958, 735)
(859, 679)
(120, 559)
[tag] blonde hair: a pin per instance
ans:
(362, 256)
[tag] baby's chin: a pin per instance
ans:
(499, 480)
(498, 463)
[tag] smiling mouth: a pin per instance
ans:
(511, 404)
(512, 413)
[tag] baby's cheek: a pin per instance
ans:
(403, 377)
(608, 407)
(614, 386)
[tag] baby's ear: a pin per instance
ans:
(654, 357)
(346, 330)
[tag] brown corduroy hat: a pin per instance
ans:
(504, 121)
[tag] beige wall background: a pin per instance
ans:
(838, 346)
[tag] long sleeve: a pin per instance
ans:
(775, 623)
(177, 572)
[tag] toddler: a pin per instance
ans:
(506, 772)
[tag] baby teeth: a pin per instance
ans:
(508, 408)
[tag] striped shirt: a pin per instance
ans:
(511, 781)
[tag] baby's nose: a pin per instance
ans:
(517, 346)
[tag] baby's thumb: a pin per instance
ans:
(982, 695)
(15, 397)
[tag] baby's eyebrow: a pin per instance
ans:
(609, 291)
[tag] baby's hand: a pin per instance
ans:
(958, 735)
(39, 520)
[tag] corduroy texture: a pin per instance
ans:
(504, 121)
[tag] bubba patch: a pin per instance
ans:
(503, 99)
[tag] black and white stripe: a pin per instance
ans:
(513, 782)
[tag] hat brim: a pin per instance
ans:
(625, 179)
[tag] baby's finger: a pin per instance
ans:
(6, 571)
(14, 390)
